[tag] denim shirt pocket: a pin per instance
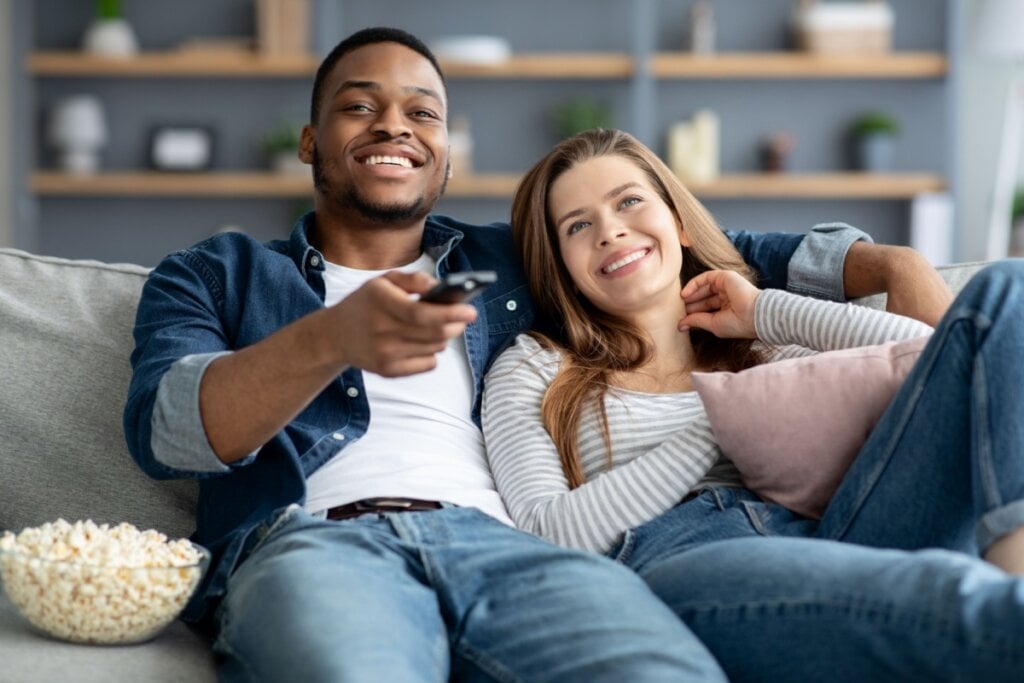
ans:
(509, 312)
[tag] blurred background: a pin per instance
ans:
(132, 128)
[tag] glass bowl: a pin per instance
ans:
(98, 604)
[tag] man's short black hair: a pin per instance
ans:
(366, 36)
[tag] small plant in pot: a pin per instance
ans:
(110, 34)
(872, 138)
(580, 114)
(281, 145)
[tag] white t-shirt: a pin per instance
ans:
(421, 441)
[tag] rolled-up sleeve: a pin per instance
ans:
(816, 268)
(178, 438)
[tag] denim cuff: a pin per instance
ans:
(998, 523)
(179, 439)
(816, 268)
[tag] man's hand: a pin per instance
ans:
(721, 302)
(913, 287)
(381, 329)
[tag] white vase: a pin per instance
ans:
(111, 38)
(78, 131)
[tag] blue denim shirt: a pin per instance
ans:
(231, 291)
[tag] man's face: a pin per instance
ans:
(380, 144)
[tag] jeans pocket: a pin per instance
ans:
(758, 514)
(276, 522)
(624, 550)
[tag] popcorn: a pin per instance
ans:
(98, 584)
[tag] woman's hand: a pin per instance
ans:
(721, 302)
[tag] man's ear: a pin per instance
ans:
(307, 143)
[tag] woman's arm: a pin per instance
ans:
(529, 476)
(726, 305)
(782, 318)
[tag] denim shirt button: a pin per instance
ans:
(314, 261)
(352, 392)
(511, 305)
(338, 436)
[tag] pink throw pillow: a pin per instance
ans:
(793, 427)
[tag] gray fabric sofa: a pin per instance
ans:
(65, 340)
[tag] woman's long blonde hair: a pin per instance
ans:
(596, 344)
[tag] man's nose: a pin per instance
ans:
(391, 123)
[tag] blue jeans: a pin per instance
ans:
(442, 595)
(888, 585)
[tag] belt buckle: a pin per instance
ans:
(371, 504)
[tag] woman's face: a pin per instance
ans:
(618, 239)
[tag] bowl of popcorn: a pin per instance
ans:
(93, 583)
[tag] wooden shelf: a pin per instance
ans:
(228, 184)
(172, 64)
(798, 65)
(551, 66)
(678, 65)
(250, 64)
(839, 185)
(489, 186)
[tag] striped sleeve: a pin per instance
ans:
(782, 318)
(529, 475)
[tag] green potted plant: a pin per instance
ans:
(281, 145)
(872, 136)
(110, 34)
(1017, 225)
(580, 114)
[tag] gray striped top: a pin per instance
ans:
(662, 444)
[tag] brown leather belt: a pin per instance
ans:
(369, 505)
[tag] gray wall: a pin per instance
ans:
(7, 220)
(510, 118)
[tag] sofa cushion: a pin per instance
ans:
(65, 342)
(793, 427)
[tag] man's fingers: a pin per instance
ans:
(412, 283)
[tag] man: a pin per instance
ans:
(333, 421)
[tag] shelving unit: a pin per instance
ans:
(527, 66)
(619, 52)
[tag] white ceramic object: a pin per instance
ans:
(472, 49)
(78, 130)
(110, 38)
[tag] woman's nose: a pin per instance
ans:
(610, 232)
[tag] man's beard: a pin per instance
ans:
(350, 198)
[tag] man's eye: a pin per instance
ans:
(357, 107)
(425, 114)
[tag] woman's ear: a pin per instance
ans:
(684, 239)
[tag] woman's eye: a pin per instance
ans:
(630, 201)
(576, 227)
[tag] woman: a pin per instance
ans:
(597, 441)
